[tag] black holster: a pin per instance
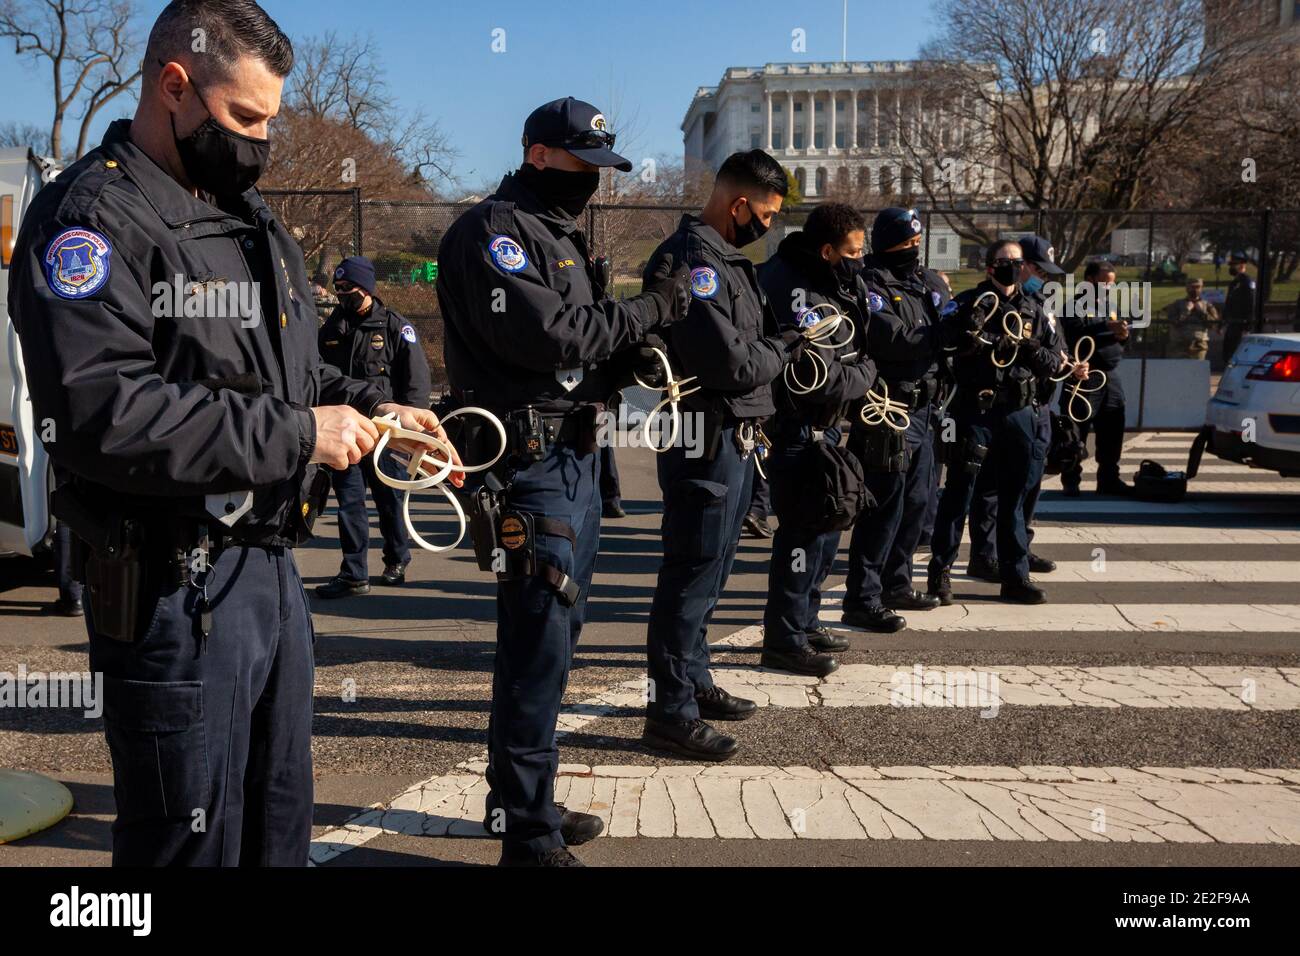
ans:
(884, 450)
(109, 559)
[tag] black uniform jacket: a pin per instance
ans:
(1239, 303)
(728, 339)
(380, 348)
(522, 309)
(1034, 362)
(1106, 357)
(796, 279)
(171, 343)
(905, 334)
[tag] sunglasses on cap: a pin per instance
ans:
(587, 139)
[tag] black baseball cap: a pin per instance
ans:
(577, 128)
(1040, 252)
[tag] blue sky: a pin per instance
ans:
(640, 59)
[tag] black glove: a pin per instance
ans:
(793, 341)
(672, 293)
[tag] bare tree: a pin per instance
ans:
(1077, 113)
(14, 133)
(90, 49)
(341, 80)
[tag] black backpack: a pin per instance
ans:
(832, 492)
(1152, 482)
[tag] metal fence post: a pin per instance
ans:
(1265, 270)
(357, 224)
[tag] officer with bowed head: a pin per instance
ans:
(907, 330)
(530, 332)
(730, 342)
(999, 372)
(365, 339)
(191, 444)
(812, 277)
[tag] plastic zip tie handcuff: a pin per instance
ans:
(673, 393)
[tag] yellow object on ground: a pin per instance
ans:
(30, 802)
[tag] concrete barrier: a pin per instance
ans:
(1173, 395)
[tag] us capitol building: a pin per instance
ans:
(837, 126)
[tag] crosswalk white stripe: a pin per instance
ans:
(940, 802)
(1127, 572)
(1161, 534)
(991, 687)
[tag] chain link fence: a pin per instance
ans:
(1153, 252)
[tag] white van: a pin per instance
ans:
(25, 480)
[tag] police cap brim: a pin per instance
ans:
(601, 156)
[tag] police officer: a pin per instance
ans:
(1238, 305)
(905, 335)
(1109, 334)
(813, 275)
(1039, 269)
(364, 339)
(170, 337)
(998, 376)
(729, 341)
(529, 332)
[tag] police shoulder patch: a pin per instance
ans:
(508, 254)
(408, 333)
(935, 297)
(77, 262)
(875, 302)
(704, 283)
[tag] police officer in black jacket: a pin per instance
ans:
(366, 340)
(1109, 334)
(905, 336)
(730, 342)
(529, 334)
(813, 275)
(1039, 269)
(999, 371)
(169, 335)
(1238, 305)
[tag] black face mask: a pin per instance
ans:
(351, 300)
(751, 231)
(219, 160)
(561, 190)
(1006, 275)
(847, 269)
(900, 261)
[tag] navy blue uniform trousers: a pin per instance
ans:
(536, 635)
(705, 502)
(885, 537)
(354, 520)
(984, 503)
(211, 745)
(801, 562)
(1018, 458)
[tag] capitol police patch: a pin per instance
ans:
(76, 263)
(806, 317)
(704, 283)
(874, 302)
(936, 298)
(508, 254)
(408, 333)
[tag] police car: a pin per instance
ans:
(25, 478)
(1254, 416)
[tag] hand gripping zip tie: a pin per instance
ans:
(816, 336)
(880, 409)
(1015, 331)
(673, 393)
(1083, 351)
(427, 470)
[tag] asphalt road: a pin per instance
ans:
(1201, 599)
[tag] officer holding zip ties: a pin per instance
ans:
(905, 335)
(530, 333)
(190, 426)
(999, 369)
(817, 488)
(730, 344)
(1039, 268)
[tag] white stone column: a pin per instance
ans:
(767, 137)
(810, 125)
(853, 142)
(832, 102)
(875, 118)
(789, 119)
